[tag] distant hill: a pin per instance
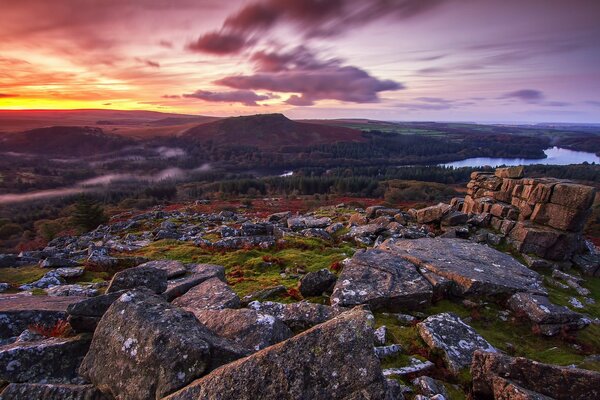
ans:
(269, 131)
(65, 141)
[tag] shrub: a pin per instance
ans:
(60, 329)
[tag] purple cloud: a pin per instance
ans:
(220, 43)
(527, 95)
(246, 97)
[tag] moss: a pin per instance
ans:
(39, 292)
(21, 275)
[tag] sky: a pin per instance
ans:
(434, 60)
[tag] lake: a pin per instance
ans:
(555, 156)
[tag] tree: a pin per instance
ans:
(87, 214)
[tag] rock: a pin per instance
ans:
(211, 294)
(49, 391)
(386, 351)
(8, 260)
(455, 218)
(4, 287)
(414, 366)
(380, 335)
(456, 340)
(429, 386)
(279, 217)
(333, 228)
(51, 360)
(381, 280)
(57, 262)
(85, 315)
(18, 312)
(315, 283)
(264, 294)
(318, 233)
(560, 383)
(68, 273)
(476, 270)
(559, 217)
(510, 172)
(199, 273)
(137, 277)
(431, 214)
(588, 264)
(241, 242)
(545, 242)
(371, 212)
(49, 280)
(536, 263)
(550, 318)
(299, 223)
(248, 328)
(145, 348)
(73, 290)
(297, 316)
(29, 336)
(504, 389)
(573, 195)
(331, 361)
(357, 219)
(173, 268)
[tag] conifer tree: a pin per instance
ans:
(87, 214)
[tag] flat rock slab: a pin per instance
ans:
(332, 361)
(18, 312)
(149, 277)
(475, 269)
(456, 340)
(198, 274)
(248, 328)
(381, 280)
(173, 268)
(297, 316)
(51, 360)
(213, 294)
(21, 391)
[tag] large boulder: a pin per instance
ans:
(560, 383)
(550, 318)
(50, 360)
(315, 283)
(198, 274)
(297, 316)
(431, 214)
(475, 269)
(456, 341)
(145, 348)
(149, 277)
(18, 312)
(248, 328)
(331, 361)
(49, 391)
(211, 294)
(381, 280)
(173, 268)
(85, 315)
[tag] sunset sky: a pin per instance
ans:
(445, 60)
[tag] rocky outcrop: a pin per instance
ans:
(85, 315)
(334, 360)
(474, 269)
(22, 391)
(211, 294)
(456, 341)
(560, 383)
(542, 216)
(145, 348)
(248, 328)
(173, 268)
(50, 360)
(381, 280)
(198, 274)
(297, 316)
(148, 277)
(315, 283)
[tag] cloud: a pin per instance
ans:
(527, 95)
(313, 18)
(149, 63)
(7, 95)
(246, 97)
(171, 96)
(219, 43)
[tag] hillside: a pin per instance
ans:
(270, 131)
(65, 141)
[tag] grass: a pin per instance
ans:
(21, 275)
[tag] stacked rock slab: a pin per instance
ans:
(541, 216)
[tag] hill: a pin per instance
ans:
(270, 131)
(65, 141)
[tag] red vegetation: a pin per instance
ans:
(60, 329)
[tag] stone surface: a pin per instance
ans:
(315, 283)
(32, 391)
(85, 315)
(145, 348)
(72, 290)
(137, 277)
(210, 294)
(456, 340)
(560, 383)
(475, 269)
(198, 274)
(429, 386)
(18, 312)
(331, 361)
(504, 389)
(173, 268)
(381, 280)
(297, 316)
(510, 172)
(248, 328)
(431, 214)
(414, 366)
(50, 360)
(573, 195)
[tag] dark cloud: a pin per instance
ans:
(7, 95)
(171, 96)
(220, 43)
(313, 18)
(527, 95)
(149, 63)
(246, 97)
(298, 58)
